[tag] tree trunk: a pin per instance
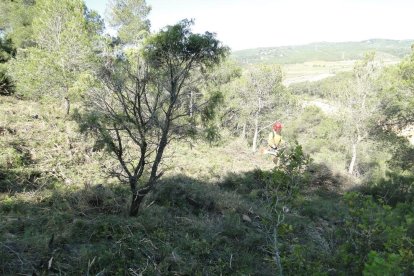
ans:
(136, 203)
(276, 256)
(353, 160)
(243, 135)
(67, 105)
(137, 197)
(191, 104)
(256, 133)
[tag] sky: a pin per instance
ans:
(244, 24)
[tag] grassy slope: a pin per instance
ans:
(61, 215)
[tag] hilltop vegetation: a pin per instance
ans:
(142, 154)
(389, 50)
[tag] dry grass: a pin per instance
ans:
(213, 163)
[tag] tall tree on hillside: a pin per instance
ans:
(61, 57)
(216, 84)
(234, 113)
(16, 18)
(360, 104)
(94, 22)
(397, 113)
(129, 18)
(15, 32)
(142, 105)
(397, 103)
(264, 98)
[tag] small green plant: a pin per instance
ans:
(7, 86)
(282, 186)
(288, 179)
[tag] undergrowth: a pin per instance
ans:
(215, 211)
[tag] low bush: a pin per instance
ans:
(7, 86)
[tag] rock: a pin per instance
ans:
(246, 218)
(9, 236)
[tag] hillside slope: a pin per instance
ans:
(326, 51)
(212, 213)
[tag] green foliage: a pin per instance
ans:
(383, 265)
(62, 53)
(141, 102)
(329, 135)
(278, 189)
(16, 21)
(129, 18)
(402, 154)
(178, 41)
(397, 94)
(407, 71)
(255, 100)
(15, 31)
(187, 225)
(326, 88)
(7, 86)
(286, 181)
(94, 23)
(395, 188)
(321, 135)
(55, 201)
(378, 233)
(7, 49)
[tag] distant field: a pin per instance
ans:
(314, 71)
(317, 70)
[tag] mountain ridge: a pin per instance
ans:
(326, 51)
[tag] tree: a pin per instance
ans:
(360, 104)
(15, 32)
(7, 51)
(141, 105)
(216, 83)
(396, 113)
(94, 23)
(264, 98)
(397, 98)
(61, 57)
(7, 87)
(233, 111)
(16, 18)
(128, 17)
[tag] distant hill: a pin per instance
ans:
(325, 51)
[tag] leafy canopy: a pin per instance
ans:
(128, 17)
(176, 45)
